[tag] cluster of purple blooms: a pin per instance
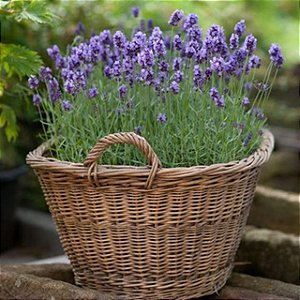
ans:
(154, 59)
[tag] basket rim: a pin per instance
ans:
(37, 160)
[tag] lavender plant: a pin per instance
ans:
(193, 97)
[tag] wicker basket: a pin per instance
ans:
(149, 232)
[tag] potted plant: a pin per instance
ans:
(170, 229)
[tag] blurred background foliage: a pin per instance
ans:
(269, 21)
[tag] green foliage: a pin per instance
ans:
(16, 59)
(35, 11)
(8, 122)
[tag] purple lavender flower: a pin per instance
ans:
(66, 105)
(201, 55)
(194, 33)
(73, 61)
(80, 29)
(190, 51)
(139, 41)
(254, 62)
(92, 92)
(119, 39)
(146, 58)
(258, 113)
(147, 75)
(69, 87)
(142, 26)
(122, 91)
(60, 62)
(45, 73)
(208, 73)
(163, 66)
(127, 65)
(53, 52)
(33, 82)
(189, 21)
(177, 42)
(179, 76)
(174, 87)
(250, 43)
(245, 101)
(116, 69)
(135, 11)
(138, 130)
(240, 27)
(80, 79)
(214, 94)
(168, 42)
(240, 55)
(175, 18)
(276, 56)
(230, 65)
(149, 25)
(55, 95)
(217, 65)
(162, 118)
(53, 89)
(220, 102)
(248, 86)
(105, 37)
(53, 84)
(36, 100)
(234, 41)
(159, 48)
(108, 72)
(198, 77)
(247, 139)
(215, 41)
(157, 34)
(177, 63)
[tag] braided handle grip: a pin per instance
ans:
(123, 138)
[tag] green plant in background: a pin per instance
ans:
(17, 61)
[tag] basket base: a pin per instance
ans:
(182, 289)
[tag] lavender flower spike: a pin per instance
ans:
(276, 55)
(122, 91)
(135, 11)
(234, 41)
(240, 27)
(175, 18)
(92, 92)
(220, 102)
(33, 82)
(245, 101)
(162, 118)
(66, 105)
(174, 87)
(189, 21)
(214, 94)
(138, 130)
(119, 39)
(250, 43)
(36, 100)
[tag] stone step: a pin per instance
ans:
(56, 281)
(269, 253)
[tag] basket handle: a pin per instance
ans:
(122, 138)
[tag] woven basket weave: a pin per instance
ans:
(149, 232)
